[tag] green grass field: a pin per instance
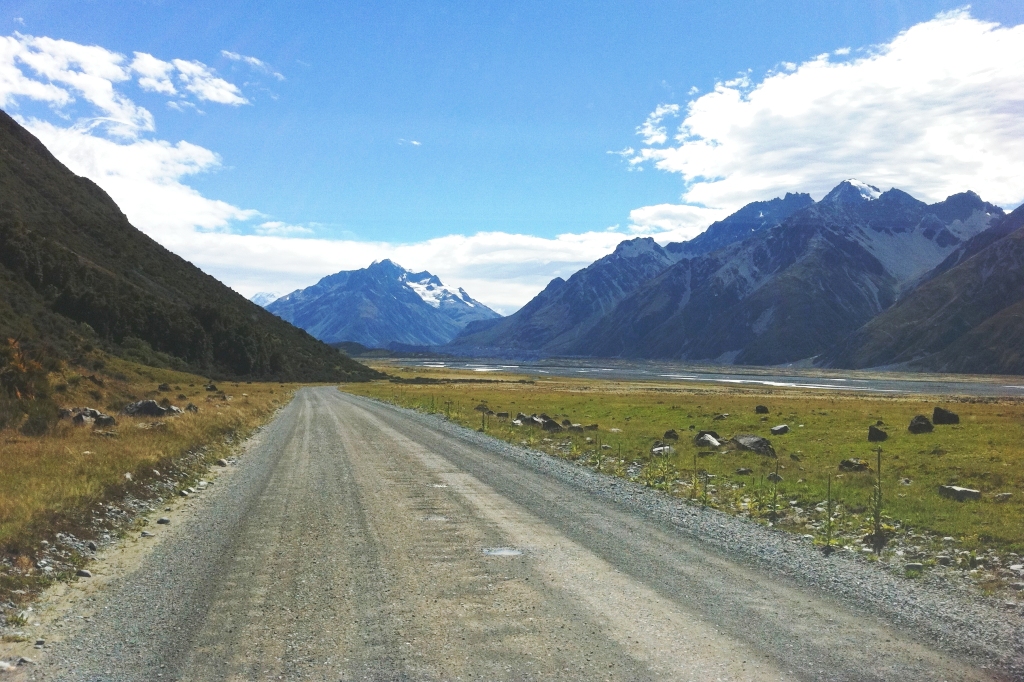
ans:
(985, 451)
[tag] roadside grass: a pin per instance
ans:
(62, 482)
(985, 451)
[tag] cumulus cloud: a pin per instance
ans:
(257, 64)
(279, 228)
(154, 74)
(935, 111)
(673, 222)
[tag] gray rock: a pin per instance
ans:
(222, 462)
(920, 424)
(163, 520)
(748, 441)
(941, 416)
(40, 642)
(853, 464)
(713, 434)
(191, 408)
(82, 573)
(914, 567)
(91, 545)
(1002, 497)
(183, 493)
(163, 387)
(671, 435)
(959, 493)
(708, 440)
(761, 409)
(145, 408)
(876, 435)
(720, 417)
(774, 477)
(82, 419)
(780, 429)
(943, 560)
(147, 534)
(743, 471)
(1017, 586)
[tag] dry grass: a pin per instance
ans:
(50, 483)
(985, 451)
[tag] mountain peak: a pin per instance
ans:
(632, 248)
(851, 191)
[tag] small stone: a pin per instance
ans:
(720, 417)
(1002, 497)
(91, 545)
(774, 477)
(943, 560)
(222, 462)
(876, 435)
(959, 493)
(147, 534)
(743, 471)
(853, 464)
(761, 409)
(83, 573)
(671, 435)
(780, 429)
(163, 520)
(40, 642)
(183, 493)
(1017, 586)
(914, 567)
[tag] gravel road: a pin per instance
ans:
(358, 541)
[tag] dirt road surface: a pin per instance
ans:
(356, 541)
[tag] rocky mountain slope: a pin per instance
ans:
(566, 310)
(793, 290)
(74, 273)
(382, 305)
(967, 316)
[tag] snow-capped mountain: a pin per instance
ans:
(265, 298)
(381, 305)
(794, 290)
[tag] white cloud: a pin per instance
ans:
(673, 222)
(935, 111)
(255, 63)
(200, 80)
(281, 229)
(651, 130)
(144, 177)
(154, 74)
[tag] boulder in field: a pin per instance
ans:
(748, 441)
(780, 429)
(853, 464)
(761, 409)
(145, 408)
(743, 471)
(876, 435)
(774, 477)
(959, 493)
(920, 424)
(708, 441)
(671, 435)
(941, 416)
(105, 420)
(701, 434)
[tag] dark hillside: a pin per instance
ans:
(70, 258)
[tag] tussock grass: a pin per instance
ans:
(58, 482)
(985, 451)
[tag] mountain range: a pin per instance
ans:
(382, 306)
(75, 274)
(790, 280)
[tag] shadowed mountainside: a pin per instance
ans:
(73, 272)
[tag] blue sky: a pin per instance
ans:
(385, 125)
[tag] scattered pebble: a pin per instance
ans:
(83, 573)
(147, 534)
(163, 520)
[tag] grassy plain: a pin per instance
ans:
(60, 482)
(985, 451)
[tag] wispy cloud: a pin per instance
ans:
(257, 64)
(281, 229)
(935, 111)
(200, 80)
(651, 130)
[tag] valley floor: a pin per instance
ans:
(358, 540)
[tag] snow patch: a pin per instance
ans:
(867, 191)
(265, 298)
(433, 292)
